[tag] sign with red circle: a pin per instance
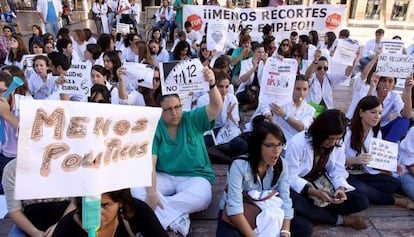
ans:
(333, 21)
(196, 21)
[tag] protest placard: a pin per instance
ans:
(278, 81)
(395, 65)
(69, 148)
(138, 74)
(182, 77)
(283, 19)
(392, 46)
(78, 79)
(346, 51)
(122, 28)
(384, 154)
(27, 60)
(216, 35)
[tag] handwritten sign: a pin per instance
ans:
(122, 28)
(182, 77)
(78, 79)
(346, 51)
(216, 35)
(278, 81)
(69, 148)
(392, 46)
(384, 154)
(395, 65)
(139, 74)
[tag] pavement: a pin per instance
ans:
(383, 221)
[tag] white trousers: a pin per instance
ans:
(179, 195)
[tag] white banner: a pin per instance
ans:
(122, 28)
(392, 46)
(395, 65)
(345, 52)
(283, 19)
(78, 79)
(278, 81)
(70, 148)
(182, 77)
(384, 154)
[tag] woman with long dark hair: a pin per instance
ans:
(377, 185)
(318, 154)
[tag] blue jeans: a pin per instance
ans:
(111, 23)
(304, 207)
(395, 129)
(17, 232)
(407, 185)
(3, 162)
(299, 227)
(378, 188)
(52, 27)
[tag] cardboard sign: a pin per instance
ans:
(78, 79)
(182, 77)
(217, 35)
(346, 51)
(278, 81)
(395, 65)
(384, 154)
(139, 74)
(70, 148)
(122, 28)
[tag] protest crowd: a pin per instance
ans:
(298, 162)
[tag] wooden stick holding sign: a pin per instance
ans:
(384, 154)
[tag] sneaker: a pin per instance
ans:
(181, 225)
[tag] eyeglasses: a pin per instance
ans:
(156, 78)
(285, 44)
(203, 49)
(324, 68)
(274, 147)
(170, 109)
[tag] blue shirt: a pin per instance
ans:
(51, 13)
(240, 178)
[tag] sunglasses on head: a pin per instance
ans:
(324, 68)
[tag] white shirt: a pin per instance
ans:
(391, 104)
(349, 152)
(161, 57)
(246, 65)
(299, 156)
(317, 92)
(406, 151)
(134, 98)
(40, 89)
(303, 113)
(169, 14)
(370, 48)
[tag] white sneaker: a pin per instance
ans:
(181, 225)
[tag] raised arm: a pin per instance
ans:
(406, 96)
(216, 103)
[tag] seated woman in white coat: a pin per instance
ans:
(226, 143)
(315, 155)
(378, 185)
